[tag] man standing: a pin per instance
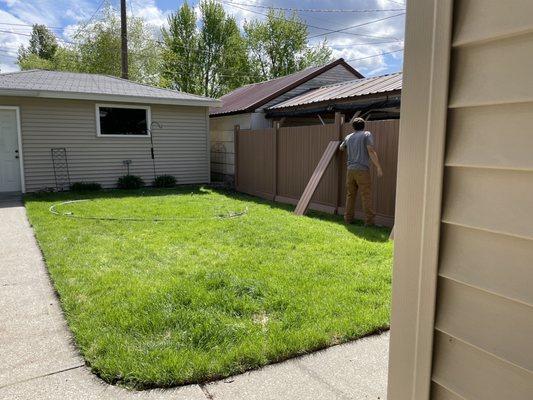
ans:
(360, 150)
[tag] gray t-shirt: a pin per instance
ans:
(357, 157)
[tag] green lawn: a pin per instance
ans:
(155, 304)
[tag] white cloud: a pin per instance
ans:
(10, 42)
(72, 13)
(150, 13)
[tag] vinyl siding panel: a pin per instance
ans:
(478, 76)
(483, 344)
(491, 136)
(473, 373)
(440, 393)
(482, 20)
(496, 263)
(500, 326)
(493, 199)
(181, 146)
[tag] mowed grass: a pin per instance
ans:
(158, 304)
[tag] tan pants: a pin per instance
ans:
(358, 180)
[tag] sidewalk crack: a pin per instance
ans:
(208, 395)
(42, 376)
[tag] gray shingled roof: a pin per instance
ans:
(56, 84)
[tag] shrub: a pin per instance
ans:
(130, 182)
(165, 181)
(85, 186)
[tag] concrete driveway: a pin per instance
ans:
(38, 359)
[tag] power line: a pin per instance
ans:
(397, 2)
(342, 46)
(358, 25)
(375, 55)
(315, 10)
(8, 52)
(29, 35)
(81, 29)
(309, 25)
(9, 56)
(31, 26)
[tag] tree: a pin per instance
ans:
(209, 60)
(278, 46)
(97, 50)
(180, 51)
(43, 42)
(40, 51)
(99, 46)
(44, 52)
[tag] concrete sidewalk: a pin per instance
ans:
(39, 361)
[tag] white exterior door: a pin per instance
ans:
(9, 152)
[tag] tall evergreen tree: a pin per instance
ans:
(41, 49)
(43, 42)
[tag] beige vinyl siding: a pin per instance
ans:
(181, 146)
(483, 346)
(481, 335)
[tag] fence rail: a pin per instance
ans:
(276, 164)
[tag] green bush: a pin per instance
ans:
(85, 186)
(165, 181)
(130, 182)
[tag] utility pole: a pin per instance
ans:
(124, 37)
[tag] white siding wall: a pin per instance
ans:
(181, 146)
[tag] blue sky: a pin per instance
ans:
(364, 44)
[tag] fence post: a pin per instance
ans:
(236, 130)
(275, 162)
(339, 121)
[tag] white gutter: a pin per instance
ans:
(205, 102)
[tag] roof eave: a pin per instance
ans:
(332, 102)
(109, 97)
(312, 75)
(234, 112)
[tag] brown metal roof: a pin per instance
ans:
(337, 91)
(250, 97)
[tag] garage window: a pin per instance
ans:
(122, 120)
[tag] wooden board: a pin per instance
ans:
(313, 183)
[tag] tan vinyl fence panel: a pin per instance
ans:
(255, 162)
(299, 150)
(277, 164)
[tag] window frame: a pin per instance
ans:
(132, 106)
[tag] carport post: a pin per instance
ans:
(275, 162)
(236, 130)
(339, 121)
